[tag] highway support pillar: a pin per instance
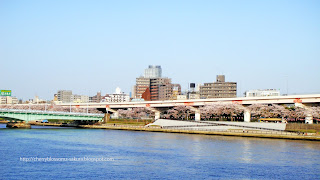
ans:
(309, 118)
(115, 114)
(247, 115)
(197, 116)
(197, 113)
(157, 115)
(157, 112)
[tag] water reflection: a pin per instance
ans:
(145, 155)
(246, 151)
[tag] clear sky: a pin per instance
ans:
(88, 46)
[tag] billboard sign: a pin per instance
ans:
(5, 92)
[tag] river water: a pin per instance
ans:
(116, 154)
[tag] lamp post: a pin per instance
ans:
(287, 85)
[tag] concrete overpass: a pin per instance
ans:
(158, 106)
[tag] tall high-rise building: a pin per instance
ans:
(218, 89)
(153, 72)
(154, 87)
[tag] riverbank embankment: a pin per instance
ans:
(241, 133)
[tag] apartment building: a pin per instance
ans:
(218, 89)
(64, 96)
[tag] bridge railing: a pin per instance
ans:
(50, 112)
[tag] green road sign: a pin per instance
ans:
(5, 92)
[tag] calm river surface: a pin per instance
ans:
(150, 155)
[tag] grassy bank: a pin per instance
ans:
(131, 122)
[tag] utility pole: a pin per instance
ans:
(287, 85)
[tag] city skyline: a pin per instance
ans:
(97, 46)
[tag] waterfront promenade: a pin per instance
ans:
(223, 130)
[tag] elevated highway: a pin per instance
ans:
(305, 99)
(158, 106)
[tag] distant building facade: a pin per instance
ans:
(153, 72)
(182, 97)
(8, 100)
(218, 89)
(3, 100)
(64, 96)
(194, 91)
(96, 99)
(116, 97)
(37, 100)
(193, 95)
(153, 87)
(142, 84)
(262, 93)
(80, 98)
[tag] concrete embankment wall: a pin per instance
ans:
(275, 135)
(300, 126)
(275, 126)
(221, 124)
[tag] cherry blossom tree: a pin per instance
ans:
(315, 112)
(219, 110)
(268, 111)
(134, 112)
(179, 112)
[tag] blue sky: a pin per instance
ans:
(88, 46)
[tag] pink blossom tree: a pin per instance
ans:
(179, 112)
(134, 112)
(219, 110)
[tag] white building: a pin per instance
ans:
(262, 93)
(8, 100)
(3, 100)
(193, 96)
(118, 96)
(182, 97)
(37, 100)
